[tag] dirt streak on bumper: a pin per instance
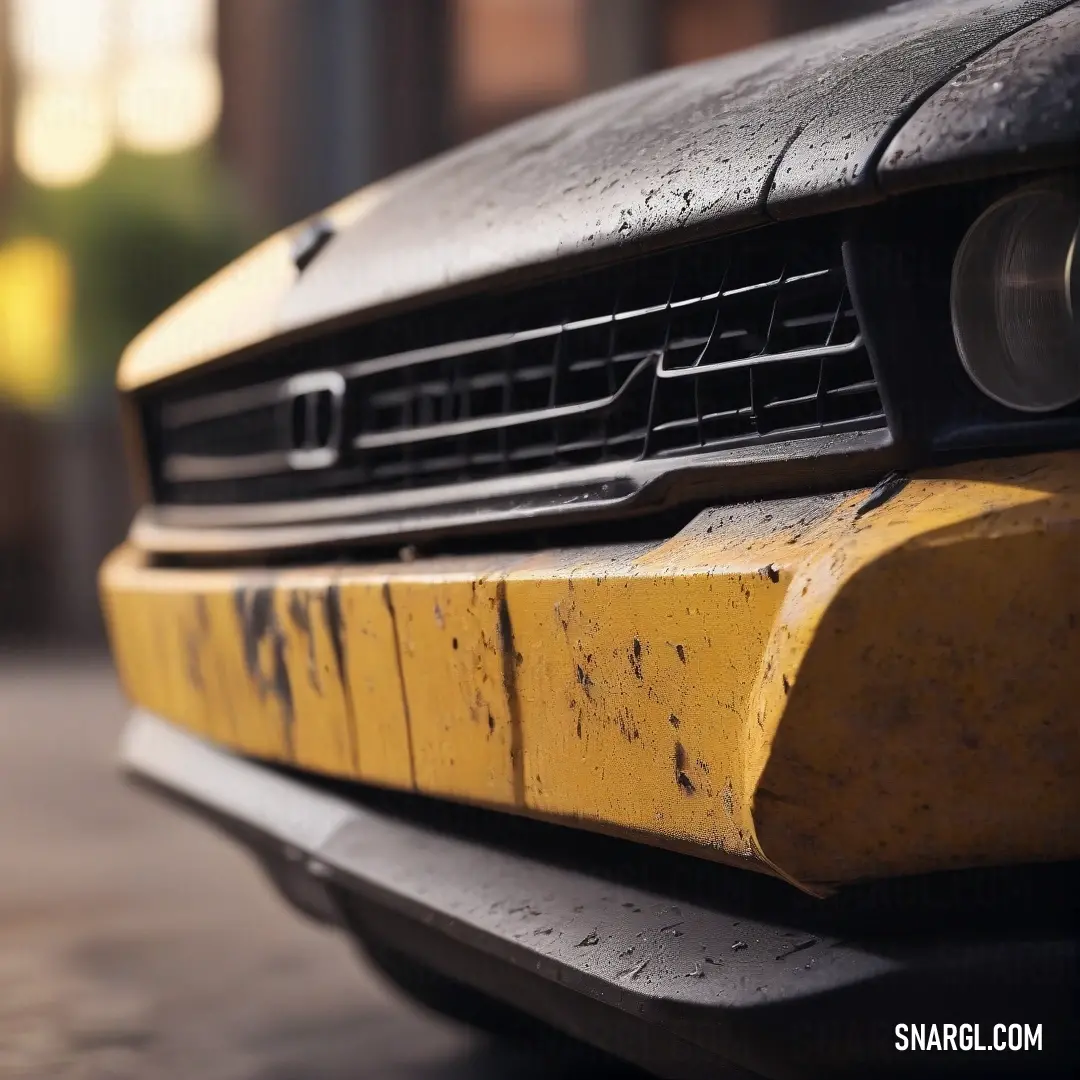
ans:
(794, 685)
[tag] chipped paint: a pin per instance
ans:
(882, 492)
(388, 603)
(787, 685)
(511, 659)
(264, 653)
(335, 625)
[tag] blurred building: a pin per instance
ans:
(145, 142)
(108, 210)
(322, 96)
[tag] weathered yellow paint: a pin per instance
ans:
(373, 680)
(647, 727)
(464, 743)
(317, 688)
(788, 685)
(187, 657)
(933, 680)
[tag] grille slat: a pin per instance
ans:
(721, 344)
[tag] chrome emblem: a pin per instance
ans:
(314, 412)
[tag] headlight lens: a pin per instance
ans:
(1016, 300)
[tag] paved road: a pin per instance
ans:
(138, 945)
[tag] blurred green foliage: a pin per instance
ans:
(139, 235)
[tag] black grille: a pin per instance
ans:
(733, 342)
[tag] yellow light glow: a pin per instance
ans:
(63, 131)
(168, 103)
(35, 314)
(169, 25)
(62, 37)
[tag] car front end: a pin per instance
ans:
(627, 567)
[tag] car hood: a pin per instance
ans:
(790, 128)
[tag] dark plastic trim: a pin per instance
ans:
(575, 497)
(688, 987)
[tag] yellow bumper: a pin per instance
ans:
(792, 685)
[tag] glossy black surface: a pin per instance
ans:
(788, 128)
(1014, 108)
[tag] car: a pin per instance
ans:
(625, 572)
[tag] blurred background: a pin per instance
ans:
(143, 143)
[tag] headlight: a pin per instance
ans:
(1016, 300)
